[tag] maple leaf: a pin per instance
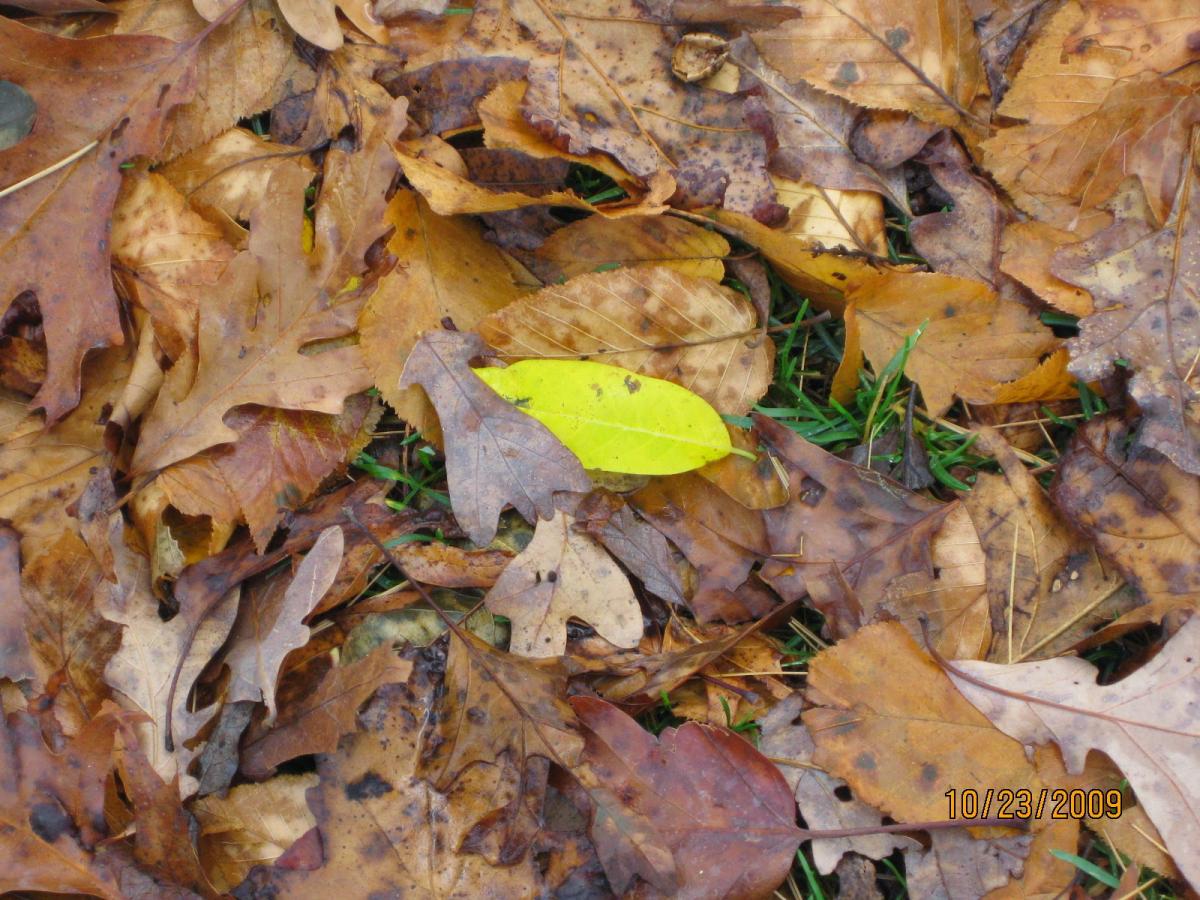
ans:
(1146, 287)
(564, 574)
(495, 454)
(272, 301)
(94, 111)
(1145, 723)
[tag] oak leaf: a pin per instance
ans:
(444, 268)
(1145, 723)
(1146, 287)
(495, 454)
(958, 866)
(654, 321)
(94, 111)
(271, 302)
(563, 574)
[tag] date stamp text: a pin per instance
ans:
(1024, 803)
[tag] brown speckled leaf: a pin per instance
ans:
(1141, 512)
(495, 454)
(846, 532)
(564, 574)
(923, 57)
(606, 84)
(1146, 288)
(16, 659)
(652, 320)
(113, 90)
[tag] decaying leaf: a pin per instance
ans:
(710, 791)
(654, 321)
(564, 574)
(1141, 511)
(95, 110)
(495, 454)
(1146, 287)
(1145, 723)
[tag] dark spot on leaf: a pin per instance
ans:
(896, 37)
(477, 715)
(865, 762)
(929, 773)
(367, 787)
(552, 576)
(949, 312)
(847, 73)
(843, 793)
(632, 385)
(49, 821)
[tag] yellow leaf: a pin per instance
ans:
(614, 419)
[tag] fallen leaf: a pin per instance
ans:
(1027, 254)
(787, 743)
(639, 547)
(1141, 512)
(243, 359)
(449, 566)
(653, 321)
(961, 325)
(94, 111)
(612, 419)
(495, 454)
(253, 824)
(959, 866)
(921, 59)
(444, 268)
(318, 721)
(1146, 289)
(270, 624)
(596, 244)
(846, 532)
(16, 655)
(1143, 723)
(564, 574)
(1047, 590)
(890, 722)
(710, 792)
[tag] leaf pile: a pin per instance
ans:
(632, 449)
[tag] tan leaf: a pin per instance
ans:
(251, 825)
(788, 744)
(971, 339)
(444, 268)
(1146, 286)
(245, 67)
(958, 866)
(1047, 590)
(227, 177)
(495, 454)
(1145, 723)
(1027, 250)
(655, 321)
(890, 723)
(922, 58)
(563, 574)
(95, 111)
(596, 243)
(252, 355)
(828, 219)
(168, 256)
(270, 623)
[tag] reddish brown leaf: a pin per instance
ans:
(721, 811)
